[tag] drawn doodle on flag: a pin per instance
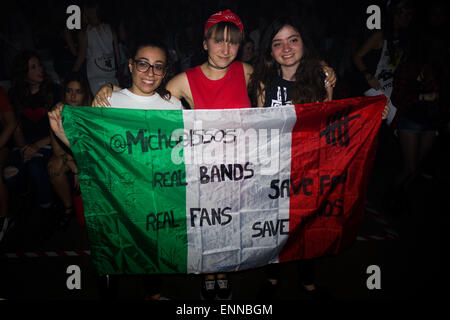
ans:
(337, 127)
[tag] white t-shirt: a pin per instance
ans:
(100, 59)
(128, 100)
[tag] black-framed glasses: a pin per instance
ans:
(143, 66)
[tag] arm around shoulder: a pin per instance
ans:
(175, 85)
(179, 88)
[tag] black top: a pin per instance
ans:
(279, 92)
(34, 118)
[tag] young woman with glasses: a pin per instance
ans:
(149, 69)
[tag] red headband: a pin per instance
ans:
(226, 15)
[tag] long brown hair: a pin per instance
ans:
(81, 79)
(309, 77)
(20, 94)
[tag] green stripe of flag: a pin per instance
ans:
(138, 196)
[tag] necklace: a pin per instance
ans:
(216, 67)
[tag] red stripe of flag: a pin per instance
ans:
(333, 141)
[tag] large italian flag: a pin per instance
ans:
(204, 191)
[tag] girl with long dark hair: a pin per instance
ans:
(31, 95)
(288, 60)
(289, 71)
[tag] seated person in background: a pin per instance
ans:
(247, 52)
(8, 124)
(32, 94)
(62, 169)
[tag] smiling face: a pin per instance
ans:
(221, 50)
(74, 94)
(287, 47)
(145, 83)
(35, 73)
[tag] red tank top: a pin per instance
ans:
(230, 92)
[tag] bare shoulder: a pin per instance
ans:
(178, 84)
(248, 69)
(179, 78)
(179, 88)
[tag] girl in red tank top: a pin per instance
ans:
(228, 92)
(219, 83)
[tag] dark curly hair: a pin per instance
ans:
(161, 90)
(309, 77)
(20, 94)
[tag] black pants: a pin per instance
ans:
(152, 284)
(108, 285)
(304, 268)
